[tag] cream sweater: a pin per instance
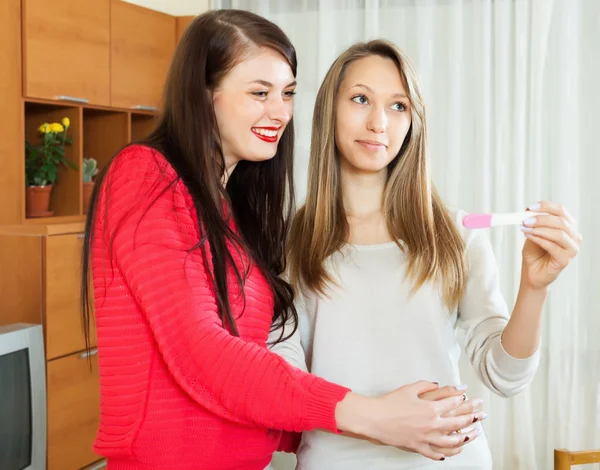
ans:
(372, 336)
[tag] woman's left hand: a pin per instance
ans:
(552, 242)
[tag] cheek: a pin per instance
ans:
(347, 126)
(397, 130)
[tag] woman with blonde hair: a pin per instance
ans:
(385, 273)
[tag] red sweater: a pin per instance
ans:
(178, 391)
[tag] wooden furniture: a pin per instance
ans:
(66, 50)
(564, 459)
(41, 285)
(102, 64)
(142, 44)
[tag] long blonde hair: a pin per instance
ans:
(415, 214)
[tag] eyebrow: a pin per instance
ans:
(270, 85)
(395, 95)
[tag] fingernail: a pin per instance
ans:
(526, 229)
(466, 438)
(475, 419)
(529, 221)
(484, 416)
(435, 383)
(464, 398)
(534, 207)
(443, 458)
(461, 387)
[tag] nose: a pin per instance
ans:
(378, 120)
(280, 110)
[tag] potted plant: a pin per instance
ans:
(90, 169)
(41, 166)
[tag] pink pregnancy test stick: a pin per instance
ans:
(474, 221)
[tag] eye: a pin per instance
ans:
(260, 94)
(399, 106)
(289, 94)
(360, 99)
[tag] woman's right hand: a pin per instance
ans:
(405, 420)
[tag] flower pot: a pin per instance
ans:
(38, 201)
(88, 187)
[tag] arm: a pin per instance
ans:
(154, 229)
(552, 242)
(483, 315)
(293, 352)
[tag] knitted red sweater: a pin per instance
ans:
(178, 391)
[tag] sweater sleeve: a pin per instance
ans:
(483, 315)
(153, 229)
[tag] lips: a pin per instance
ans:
(371, 145)
(267, 134)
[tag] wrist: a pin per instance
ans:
(528, 288)
(355, 414)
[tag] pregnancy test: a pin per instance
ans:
(474, 221)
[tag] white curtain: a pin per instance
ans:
(513, 94)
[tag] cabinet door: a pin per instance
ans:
(73, 411)
(64, 334)
(66, 50)
(11, 143)
(142, 45)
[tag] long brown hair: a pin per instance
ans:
(260, 195)
(415, 215)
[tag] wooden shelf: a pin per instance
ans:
(97, 131)
(105, 132)
(66, 193)
(141, 125)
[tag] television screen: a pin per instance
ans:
(15, 411)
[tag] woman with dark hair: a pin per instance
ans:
(186, 244)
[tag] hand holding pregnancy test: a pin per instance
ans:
(552, 239)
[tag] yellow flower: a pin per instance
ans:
(66, 122)
(44, 128)
(56, 127)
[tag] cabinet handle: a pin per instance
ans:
(145, 107)
(72, 98)
(98, 466)
(91, 352)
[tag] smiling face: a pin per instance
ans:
(253, 105)
(372, 115)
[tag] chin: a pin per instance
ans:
(259, 157)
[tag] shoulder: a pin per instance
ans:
(140, 161)
(457, 215)
(141, 175)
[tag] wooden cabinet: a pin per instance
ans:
(40, 279)
(11, 143)
(112, 56)
(73, 411)
(142, 45)
(62, 280)
(66, 50)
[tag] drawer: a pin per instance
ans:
(73, 411)
(62, 282)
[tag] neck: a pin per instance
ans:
(362, 195)
(230, 164)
